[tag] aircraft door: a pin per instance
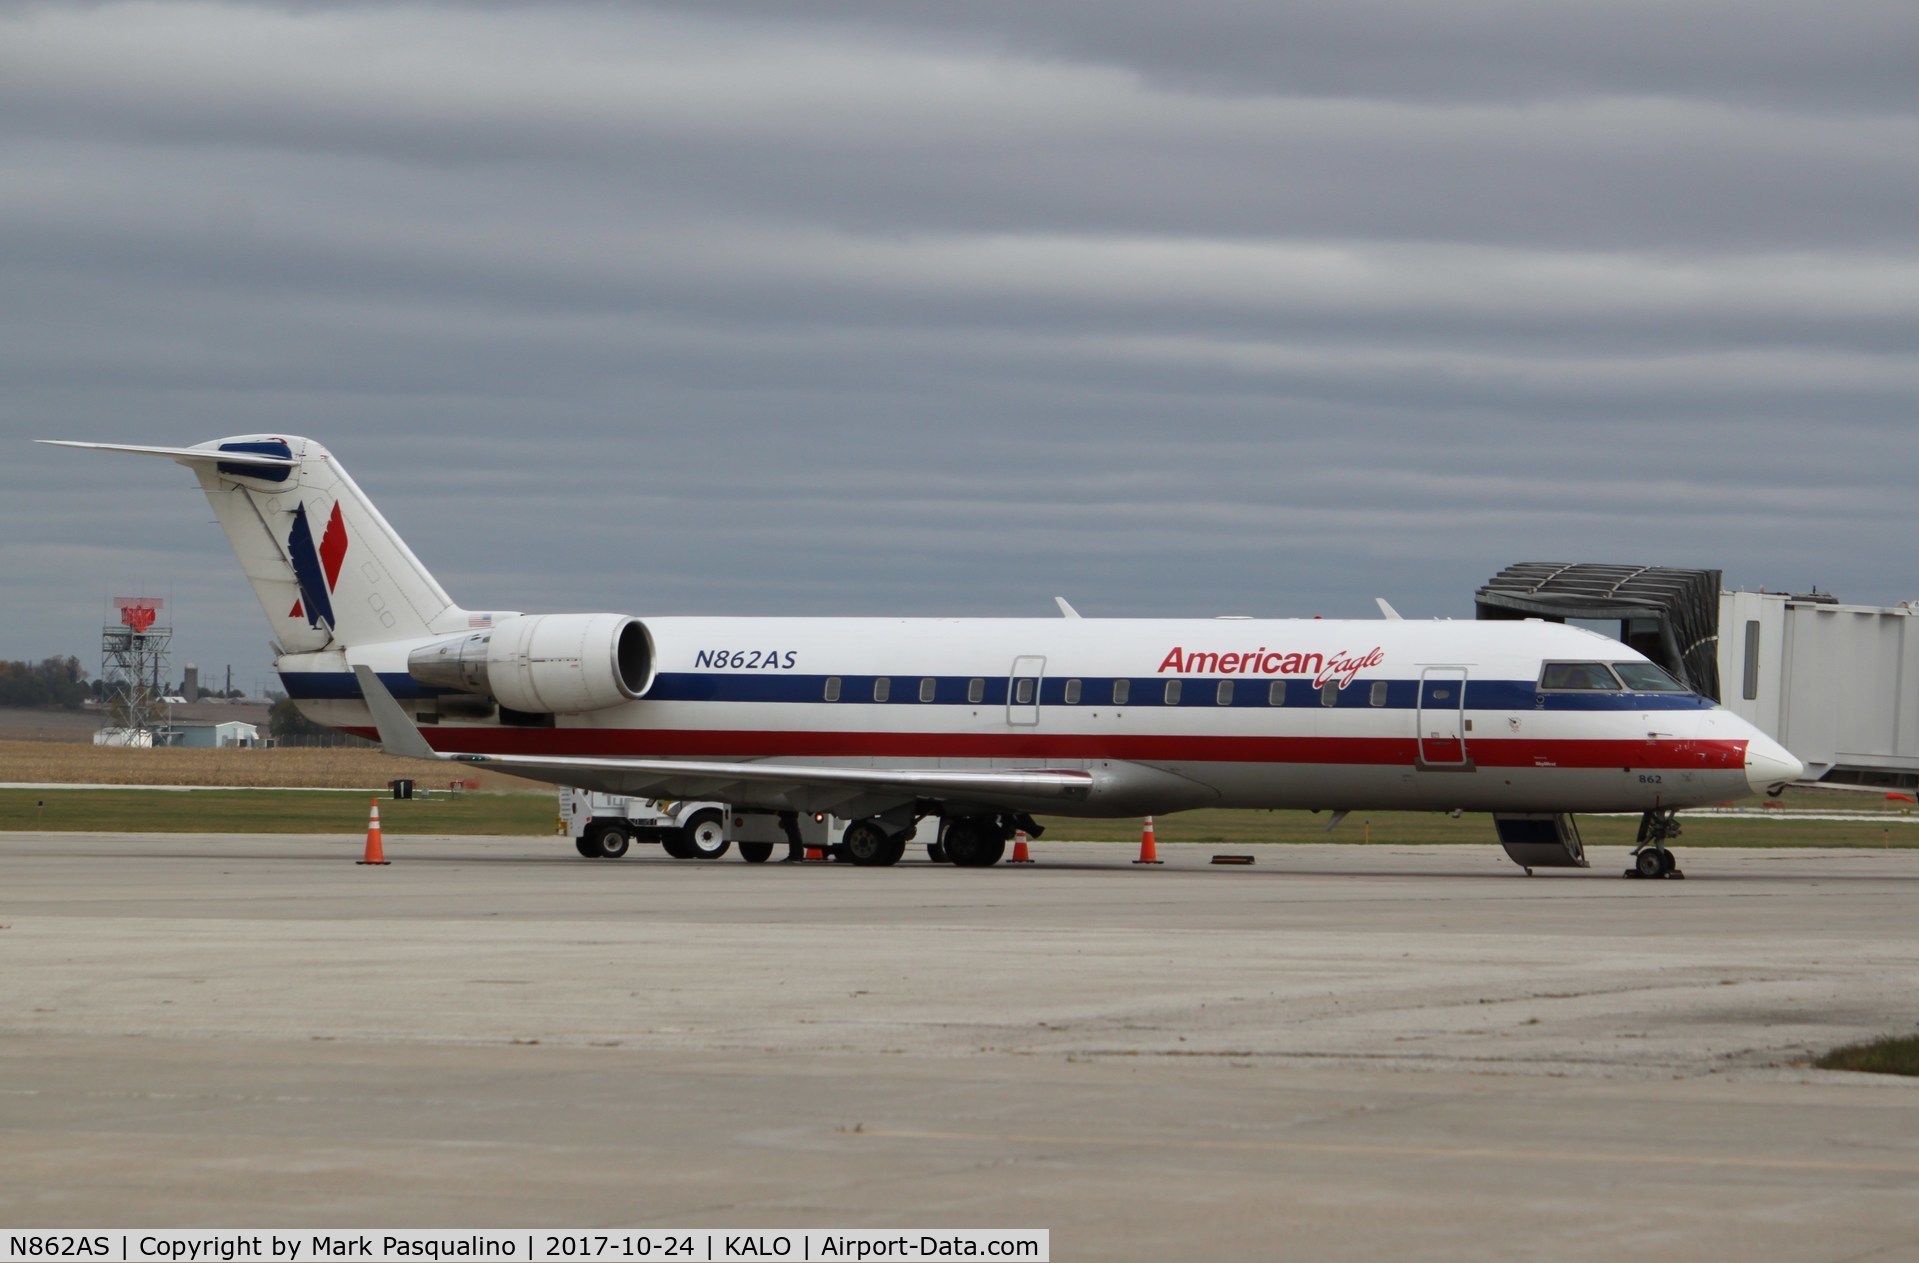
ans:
(1440, 719)
(1022, 691)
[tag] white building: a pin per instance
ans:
(222, 735)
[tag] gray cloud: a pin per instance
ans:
(944, 309)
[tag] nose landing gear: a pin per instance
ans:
(1651, 858)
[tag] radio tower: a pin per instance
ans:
(133, 659)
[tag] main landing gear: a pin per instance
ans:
(1652, 858)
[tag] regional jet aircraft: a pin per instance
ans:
(983, 722)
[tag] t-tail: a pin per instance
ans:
(329, 571)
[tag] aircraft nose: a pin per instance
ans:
(1770, 767)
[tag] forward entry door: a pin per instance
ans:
(1022, 691)
(1440, 720)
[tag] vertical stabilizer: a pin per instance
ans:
(328, 570)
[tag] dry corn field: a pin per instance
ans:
(68, 763)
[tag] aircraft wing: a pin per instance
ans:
(691, 778)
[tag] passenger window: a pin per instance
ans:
(832, 688)
(882, 689)
(976, 691)
(1224, 697)
(1122, 689)
(1023, 692)
(1577, 675)
(1072, 692)
(1329, 693)
(927, 687)
(1172, 692)
(1379, 693)
(1276, 693)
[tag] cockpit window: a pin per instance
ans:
(1644, 677)
(1577, 675)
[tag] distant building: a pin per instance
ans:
(228, 735)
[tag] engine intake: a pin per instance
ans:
(544, 662)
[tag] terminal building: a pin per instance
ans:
(1836, 684)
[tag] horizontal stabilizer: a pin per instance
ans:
(208, 454)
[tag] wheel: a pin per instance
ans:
(613, 841)
(974, 843)
(704, 836)
(867, 844)
(589, 847)
(1667, 862)
(1648, 863)
(756, 852)
(676, 845)
(935, 852)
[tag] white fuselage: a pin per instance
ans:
(1214, 712)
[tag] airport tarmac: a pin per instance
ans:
(1340, 1052)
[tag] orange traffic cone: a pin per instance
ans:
(1148, 852)
(814, 855)
(1020, 855)
(374, 853)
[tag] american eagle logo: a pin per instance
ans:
(316, 570)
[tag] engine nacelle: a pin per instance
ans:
(544, 662)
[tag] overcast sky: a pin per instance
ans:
(1216, 307)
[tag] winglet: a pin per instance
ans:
(398, 733)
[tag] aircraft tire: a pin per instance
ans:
(865, 843)
(756, 852)
(974, 843)
(1649, 864)
(704, 836)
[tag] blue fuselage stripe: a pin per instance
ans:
(1195, 692)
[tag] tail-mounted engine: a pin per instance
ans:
(544, 662)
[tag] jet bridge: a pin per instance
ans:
(1670, 615)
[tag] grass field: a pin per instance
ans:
(272, 811)
(285, 802)
(45, 762)
(1895, 1054)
